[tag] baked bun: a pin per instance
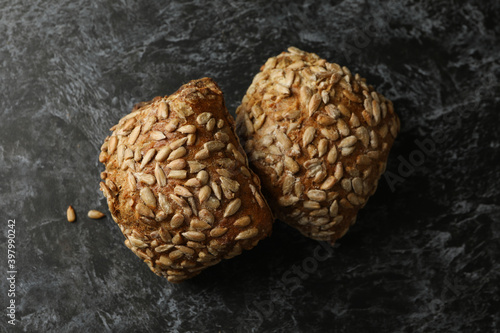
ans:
(318, 137)
(178, 184)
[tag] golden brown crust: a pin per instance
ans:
(178, 184)
(318, 137)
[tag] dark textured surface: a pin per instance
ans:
(424, 254)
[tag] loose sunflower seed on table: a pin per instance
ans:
(183, 195)
(320, 145)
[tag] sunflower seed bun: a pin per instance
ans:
(318, 137)
(178, 184)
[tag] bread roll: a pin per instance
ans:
(178, 184)
(318, 137)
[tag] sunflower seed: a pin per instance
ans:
(328, 183)
(314, 104)
(193, 182)
(177, 239)
(281, 90)
(203, 118)
(217, 232)
(284, 140)
(182, 191)
(289, 77)
(111, 185)
(212, 146)
(172, 126)
(239, 156)
(127, 126)
(318, 213)
(164, 248)
(339, 171)
(376, 112)
(187, 129)
(344, 110)
(149, 124)
(70, 214)
(308, 136)
(136, 242)
(325, 97)
(202, 154)
(317, 195)
(206, 216)
(325, 120)
(178, 143)
(177, 153)
(229, 184)
(247, 234)
(342, 127)
(242, 221)
(394, 128)
(144, 210)
(308, 204)
(156, 135)
(195, 166)
(177, 164)
(354, 121)
(148, 197)
(346, 184)
(373, 139)
(113, 143)
(260, 121)
(192, 205)
(129, 154)
(348, 142)
(287, 200)
(211, 125)
(103, 157)
(367, 117)
(174, 255)
(244, 170)
(216, 189)
(202, 176)
(362, 135)
(147, 158)
(176, 221)
(291, 165)
(163, 153)
(194, 236)
(332, 155)
(322, 147)
(288, 183)
(221, 136)
(357, 185)
(146, 178)
(186, 250)
(131, 181)
(177, 174)
(292, 115)
(163, 110)
(120, 154)
(95, 214)
(351, 96)
(226, 163)
(330, 134)
(165, 235)
(232, 207)
(164, 204)
(204, 193)
(347, 151)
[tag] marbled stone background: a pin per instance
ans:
(424, 254)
